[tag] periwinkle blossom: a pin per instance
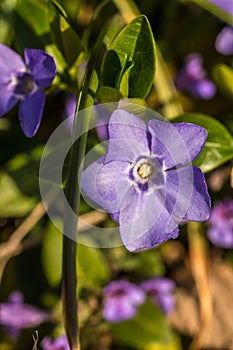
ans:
(192, 78)
(121, 300)
(161, 291)
(60, 343)
(220, 232)
(145, 180)
(101, 118)
(224, 41)
(16, 315)
(25, 82)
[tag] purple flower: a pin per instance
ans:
(61, 343)
(16, 315)
(101, 121)
(161, 291)
(121, 301)
(192, 78)
(145, 180)
(220, 231)
(225, 5)
(224, 41)
(25, 82)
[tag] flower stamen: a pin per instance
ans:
(144, 170)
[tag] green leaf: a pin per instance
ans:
(65, 37)
(147, 328)
(12, 202)
(92, 266)
(223, 77)
(219, 145)
(31, 24)
(52, 255)
(19, 189)
(131, 53)
(107, 94)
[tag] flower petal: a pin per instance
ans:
(187, 195)
(176, 144)
(106, 184)
(145, 222)
(30, 112)
(224, 41)
(128, 137)
(42, 67)
(10, 62)
(7, 99)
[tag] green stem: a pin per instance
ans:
(69, 273)
(72, 191)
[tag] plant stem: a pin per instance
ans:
(72, 191)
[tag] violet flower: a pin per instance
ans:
(101, 121)
(161, 291)
(121, 301)
(145, 180)
(220, 232)
(224, 41)
(192, 78)
(61, 343)
(16, 315)
(25, 82)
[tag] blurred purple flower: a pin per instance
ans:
(224, 41)
(121, 301)
(61, 343)
(16, 315)
(102, 116)
(192, 78)
(225, 5)
(145, 180)
(220, 232)
(161, 291)
(25, 82)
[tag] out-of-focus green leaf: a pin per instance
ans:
(12, 202)
(147, 328)
(219, 145)
(223, 77)
(92, 266)
(52, 255)
(19, 189)
(173, 345)
(31, 24)
(131, 53)
(65, 37)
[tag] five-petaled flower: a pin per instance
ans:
(145, 180)
(220, 231)
(25, 82)
(121, 301)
